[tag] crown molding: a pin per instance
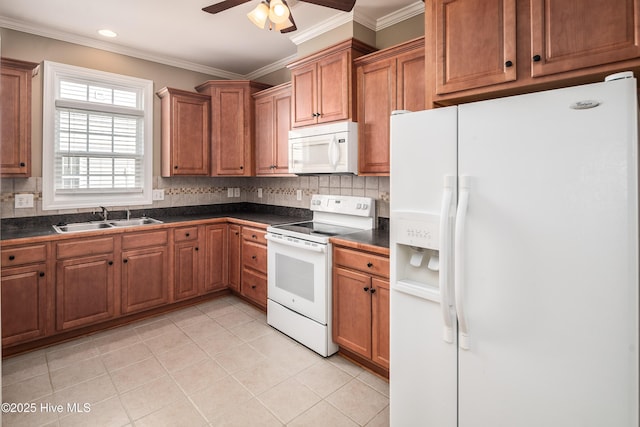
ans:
(414, 9)
(322, 27)
(115, 48)
(278, 65)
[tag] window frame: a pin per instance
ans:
(65, 199)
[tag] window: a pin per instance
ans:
(97, 140)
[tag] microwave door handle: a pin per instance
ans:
(334, 152)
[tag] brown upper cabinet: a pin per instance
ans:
(505, 47)
(185, 132)
(387, 80)
(232, 125)
(272, 125)
(322, 84)
(15, 113)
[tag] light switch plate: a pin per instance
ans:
(236, 192)
(229, 192)
(24, 201)
(298, 194)
(259, 193)
(157, 194)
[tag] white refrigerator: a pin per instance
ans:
(514, 261)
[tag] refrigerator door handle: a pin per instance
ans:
(445, 254)
(461, 217)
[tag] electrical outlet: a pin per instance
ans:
(259, 193)
(157, 194)
(24, 201)
(236, 192)
(229, 192)
(298, 194)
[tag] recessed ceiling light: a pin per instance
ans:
(107, 33)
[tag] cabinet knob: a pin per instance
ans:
(125, 260)
(12, 257)
(253, 257)
(41, 274)
(508, 64)
(111, 262)
(241, 167)
(175, 167)
(253, 236)
(536, 58)
(22, 164)
(186, 234)
(253, 286)
(369, 265)
(197, 248)
(237, 233)
(373, 291)
(366, 289)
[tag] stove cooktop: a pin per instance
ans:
(314, 229)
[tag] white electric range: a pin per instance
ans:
(299, 268)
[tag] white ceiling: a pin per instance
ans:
(179, 33)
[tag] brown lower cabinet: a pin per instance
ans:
(85, 282)
(145, 271)
(187, 263)
(254, 266)
(361, 304)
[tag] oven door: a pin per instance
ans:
(298, 275)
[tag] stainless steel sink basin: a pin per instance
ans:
(133, 222)
(99, 225)
(81, 226)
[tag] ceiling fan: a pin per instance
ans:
(277, 12)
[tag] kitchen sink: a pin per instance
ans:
(133, 222)
(81, 226)
(100, 225)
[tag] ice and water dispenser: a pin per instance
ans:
(417, 236)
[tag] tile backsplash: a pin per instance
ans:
(190, 191)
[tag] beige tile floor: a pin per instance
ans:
(214, 364)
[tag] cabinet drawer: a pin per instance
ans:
(363, 261)
(254, 287)
(141, 240)
(83, 248)
(254, 256)
(24, 255)
(254, 235)
(185, 233)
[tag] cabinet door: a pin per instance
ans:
(230, 133)
(380, 322)
(254, 287)
(15, 128)
(376, 100)
(235, 268)
(305, 95)
(410, 81)
(352, 311)
(84, 291)
(282, 125)
(190, 136)
(573, 34)
(334, 81)
(475, 43)
(24, 303)
(215, 261)
(186, 270)
(145, 278)
(265, 134)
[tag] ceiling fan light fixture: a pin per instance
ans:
(278, 12)
(259, 15)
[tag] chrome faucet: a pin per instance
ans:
(104, 214)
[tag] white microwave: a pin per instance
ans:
(330, 148)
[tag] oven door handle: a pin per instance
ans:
(316, 247)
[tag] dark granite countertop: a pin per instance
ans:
(16, 228)
(376, 240)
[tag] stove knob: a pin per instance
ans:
(359, 206)
(365, 206)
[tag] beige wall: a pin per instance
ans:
(406, 30)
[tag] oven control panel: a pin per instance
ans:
(346, 205)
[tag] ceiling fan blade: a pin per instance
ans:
(291, 28)
(343, 5)
(223, 5)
